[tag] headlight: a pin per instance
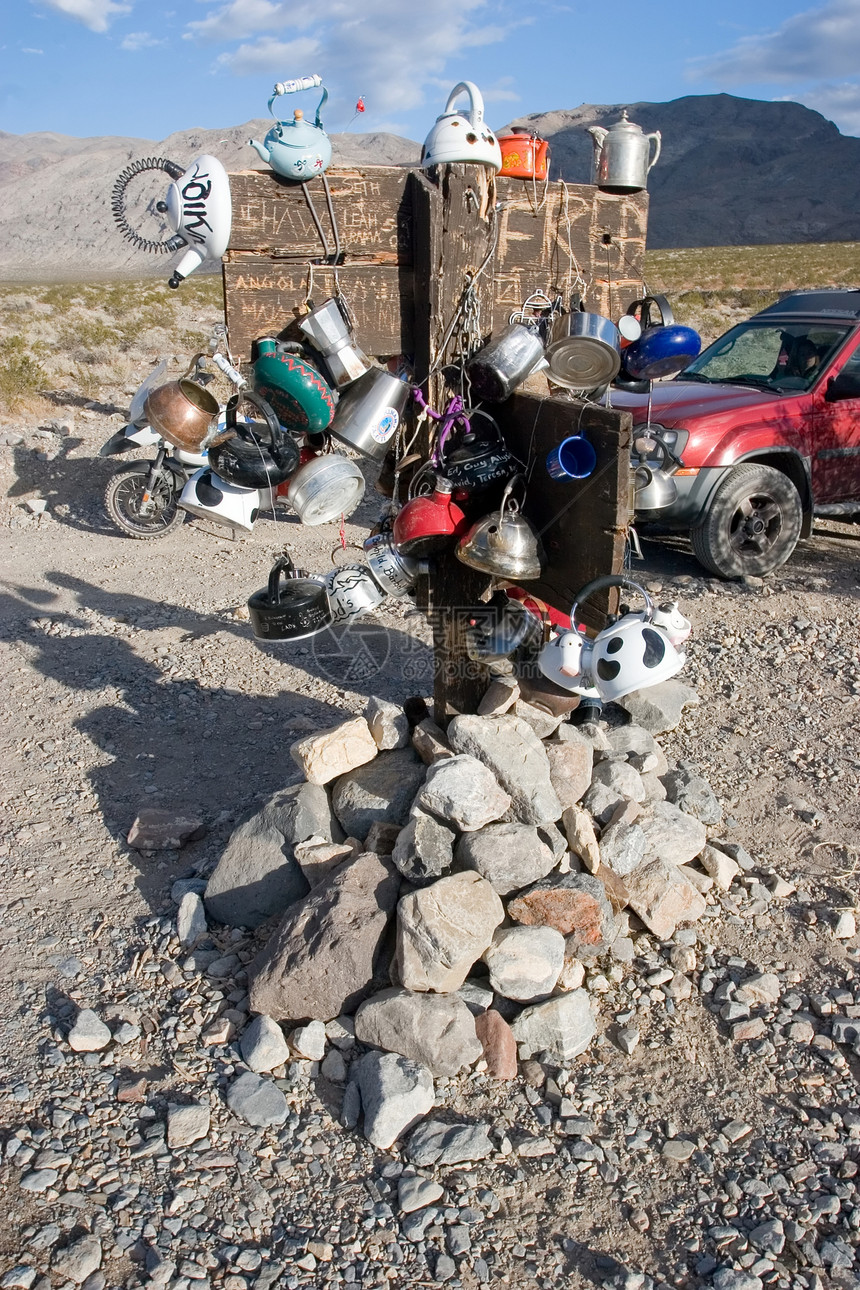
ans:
(648, 449)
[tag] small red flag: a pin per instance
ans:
(359, 107)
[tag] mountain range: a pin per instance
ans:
(732, 171)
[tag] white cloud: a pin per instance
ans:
(839, 102)
(139, 40)
(25, 50)
(269, 57)
(379, 48)
(819, 44)
(95, 14)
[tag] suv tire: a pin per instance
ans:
(752, 523)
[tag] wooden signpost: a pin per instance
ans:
(426, 258)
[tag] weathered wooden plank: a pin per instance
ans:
(371, 205)
(262, 296)
(454, 232)
(583, 523)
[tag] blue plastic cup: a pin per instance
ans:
(573, 458)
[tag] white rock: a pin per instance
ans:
(309, 1041)
(846, 926)
(190, 920)
(89, 1034)
(263, 1045)
(186, 1124)
(324, 756)
(525, 962)
(388, 723)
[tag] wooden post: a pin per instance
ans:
(453, 239)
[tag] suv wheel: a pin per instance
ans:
(752, 523)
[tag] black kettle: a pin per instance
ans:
(255, 454)
(290, 610)
(480, 465)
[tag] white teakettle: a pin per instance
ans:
(459, 137)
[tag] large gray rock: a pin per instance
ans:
(437, 1030)
(381, 791)
(662, 897)
(388, 723)
(78, 1260)
(525, 962)
(632, 740)
(562, 1028)
(621, 778)
(257, 875)
(659, 708)
(393, 1092)
(623, 847)
(424, 849)
(671, 834)
(322, 957)
(692, 794)
(570, 766)
(257, 1101)
(263, 1045)
(436, 1142)
(443, 929)
(509, 856)
(516, 757)
(461, 791)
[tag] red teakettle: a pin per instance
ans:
(524, 155)
(429, 524)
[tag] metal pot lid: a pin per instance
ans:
(582, 363)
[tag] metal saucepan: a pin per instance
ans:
(504, 543)
(326, 488)
(584, 350)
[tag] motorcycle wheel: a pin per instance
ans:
(124, 496)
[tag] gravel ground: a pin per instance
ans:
(131, 678)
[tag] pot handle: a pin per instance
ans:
(609, 580)
(476, 102)
(656, 135)
(514, 505)
(282, 565)
(191, 366)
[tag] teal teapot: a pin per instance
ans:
(296, 149)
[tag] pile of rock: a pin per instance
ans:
(435, 900)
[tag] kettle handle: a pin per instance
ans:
(273, 425)
(282, 565)
(186, 375)
(295, 87)
(659, 138)
(609, 580)
(476, 102)
(667, 316)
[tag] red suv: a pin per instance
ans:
(766, 423)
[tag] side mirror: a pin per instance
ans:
(844, 386)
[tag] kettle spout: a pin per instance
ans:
(598, 134)
(260, 149)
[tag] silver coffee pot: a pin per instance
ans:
(622, 156)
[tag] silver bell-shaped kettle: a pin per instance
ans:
(503, 543)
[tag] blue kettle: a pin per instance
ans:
(296, 149)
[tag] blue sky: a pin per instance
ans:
(135, 67)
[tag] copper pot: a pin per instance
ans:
(181, 411)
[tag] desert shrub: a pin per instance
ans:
(21, 372)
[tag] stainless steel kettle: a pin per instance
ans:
(654, 487)
(622, 156)
(504, 543)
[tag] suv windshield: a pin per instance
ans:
(767, 355)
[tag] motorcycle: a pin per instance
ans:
(142, 499)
